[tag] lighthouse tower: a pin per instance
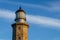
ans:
(20, 27)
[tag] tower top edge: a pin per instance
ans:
(20, 10)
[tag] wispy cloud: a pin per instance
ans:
(32, 18)
(44, 20)
(57, 38)
(54, 6)
(2, 39)
(6, 14)
(50, 6)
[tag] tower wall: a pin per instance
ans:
(25, 32)
(20, 31)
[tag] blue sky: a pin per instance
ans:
(43, 17)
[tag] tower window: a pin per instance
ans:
(19, 38)
(19, 28)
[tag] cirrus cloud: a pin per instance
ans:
(32, 18)
(50, 6)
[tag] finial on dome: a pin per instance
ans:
(20, 8)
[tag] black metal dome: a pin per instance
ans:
(20, 10)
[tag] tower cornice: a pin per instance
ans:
(20, 24)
